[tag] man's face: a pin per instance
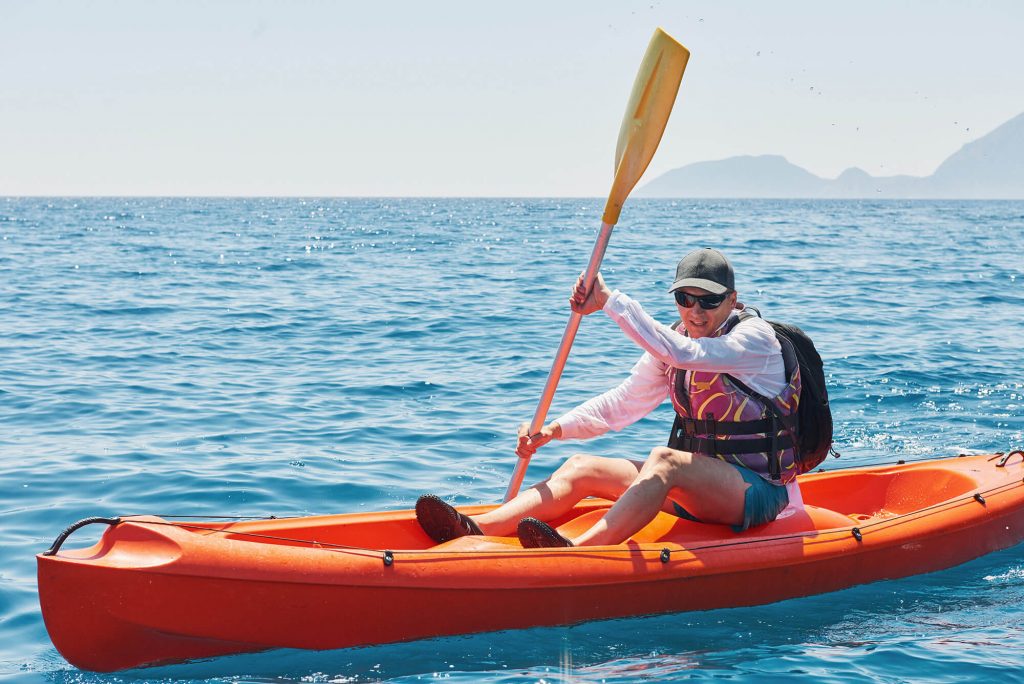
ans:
(701, 322)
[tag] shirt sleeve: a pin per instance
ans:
(750, 351)
(745, 348)
(639, 394)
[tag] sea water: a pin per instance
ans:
(249, 357)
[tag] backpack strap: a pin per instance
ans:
(750, 312)
(786, 424)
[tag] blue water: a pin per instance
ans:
(294, 357)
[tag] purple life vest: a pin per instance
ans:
(717, 415)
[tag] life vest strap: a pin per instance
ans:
(711, 426)
(731, 447)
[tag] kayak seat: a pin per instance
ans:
(670, 528)
(664, 527)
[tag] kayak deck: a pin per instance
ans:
(152, 591)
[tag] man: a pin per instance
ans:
(732, 449)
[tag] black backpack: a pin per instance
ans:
(814, 416)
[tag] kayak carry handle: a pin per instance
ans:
(55, 547)
(1004, 459)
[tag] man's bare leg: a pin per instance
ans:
(582, 475)
(709, 488)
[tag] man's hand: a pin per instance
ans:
(527, 447)
(583, 302)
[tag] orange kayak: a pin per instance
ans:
(155, 591)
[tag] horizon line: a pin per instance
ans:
(514, 197)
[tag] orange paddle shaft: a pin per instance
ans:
(560, 358)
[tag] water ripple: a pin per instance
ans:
(302, 356)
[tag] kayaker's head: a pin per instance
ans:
(705, 291)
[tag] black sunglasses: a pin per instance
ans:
(707, 302)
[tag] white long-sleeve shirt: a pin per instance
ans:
(749, 352)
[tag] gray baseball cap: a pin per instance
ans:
(707, 269)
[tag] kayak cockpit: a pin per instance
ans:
(868, 495)
(829, 500)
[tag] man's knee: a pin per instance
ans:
(577, 466)
(582, 470)
(663, 458)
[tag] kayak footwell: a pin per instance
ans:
(153, 591)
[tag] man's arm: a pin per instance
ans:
(748, 349)
(639, 394)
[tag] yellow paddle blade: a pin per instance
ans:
(654, 93)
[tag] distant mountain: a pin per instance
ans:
(991, 167)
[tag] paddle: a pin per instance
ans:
(650, 103)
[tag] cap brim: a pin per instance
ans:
(709, 285)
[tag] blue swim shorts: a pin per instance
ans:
(762, 502)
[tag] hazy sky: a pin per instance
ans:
(479, 98)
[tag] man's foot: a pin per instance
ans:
(441, 522)
(534, 534)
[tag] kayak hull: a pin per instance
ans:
(152, 591)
